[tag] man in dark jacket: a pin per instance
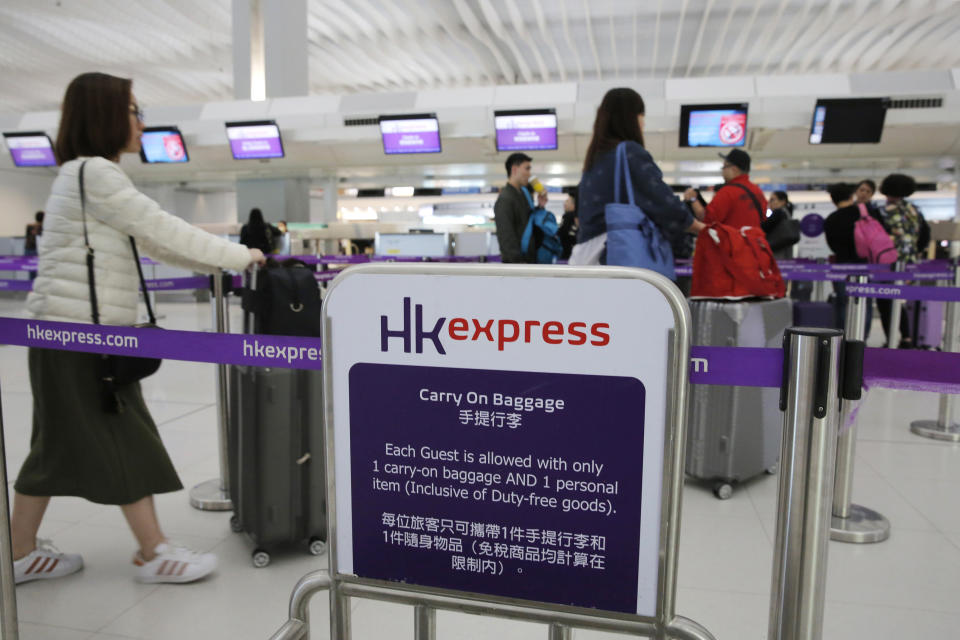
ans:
(512, 210)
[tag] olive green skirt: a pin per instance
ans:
(78, 449)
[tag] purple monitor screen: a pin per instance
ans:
(252, 140)
(30, 149)
(526, 131)
(418, 134)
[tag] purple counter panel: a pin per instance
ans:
(31, 150)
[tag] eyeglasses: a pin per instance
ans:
(135, 110)
(727, 165)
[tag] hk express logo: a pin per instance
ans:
(502, 332)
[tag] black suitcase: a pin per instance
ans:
(276, 458)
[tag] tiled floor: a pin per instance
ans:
(907, 587)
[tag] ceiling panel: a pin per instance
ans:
(180, 51)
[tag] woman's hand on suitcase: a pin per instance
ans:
(257, 257)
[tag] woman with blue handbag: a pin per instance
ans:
(628, 214)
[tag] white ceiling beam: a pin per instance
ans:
(480, 69)
(613, 49)
(858, 37)
(761, 43)
(677, 38)
(547, 37)
(500, 32)
(571, 44)
(475, 28)
(840, 26)
(718, 44)
(869, 57)
(807, 32)
(521, 29)
(592, 40)
(656, 38)
(930, 29)
(740, 43)
(889, 13)
(695, 51)
(926, 57)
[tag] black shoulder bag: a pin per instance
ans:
(116, 371)
(785, 234)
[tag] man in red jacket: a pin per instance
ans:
(739, 203)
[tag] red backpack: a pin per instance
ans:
(871, 240)
(733, 264)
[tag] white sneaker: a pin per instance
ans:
(174, 563)
(46, 561)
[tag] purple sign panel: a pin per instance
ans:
(526, 132)
(31, 151)
(410, 135)
(497, 482)
(255, 141)
(811, 225)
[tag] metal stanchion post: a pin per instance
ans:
(896, 310)
(8, 588)
(560, 632)
(809, 398)
(424, 622)
(852, 522)
(945, 427)
(214, 495)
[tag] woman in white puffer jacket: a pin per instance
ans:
(80, 446)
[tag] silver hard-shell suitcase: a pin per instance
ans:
(734, 433)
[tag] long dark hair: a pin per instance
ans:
(95, 117)
(782, 195)
(616, 121)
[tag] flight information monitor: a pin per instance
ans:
(255, 140)
(162, 145)
(418, 133)
(713, 125)
(526, 130)
(30, 149)
(848, 121)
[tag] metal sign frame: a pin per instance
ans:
(665, 624)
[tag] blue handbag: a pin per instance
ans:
(633, 240)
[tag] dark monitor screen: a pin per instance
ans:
(162, 145)
(255, 140)
(418, 133)
(848, 120)
(713, 125)
(30, 149)
(526, 130)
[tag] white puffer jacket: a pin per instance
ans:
(115, 210)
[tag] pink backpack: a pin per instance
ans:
(872, 242)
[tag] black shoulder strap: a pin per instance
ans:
(94, 308)
(756, 203)
(143, 283)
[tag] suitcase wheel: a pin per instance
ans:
(260, 558)
(772, 471)
(723, 490)
(317, 546)
(235, 525)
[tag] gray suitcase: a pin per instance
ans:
(734, 433)
(276, 458)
